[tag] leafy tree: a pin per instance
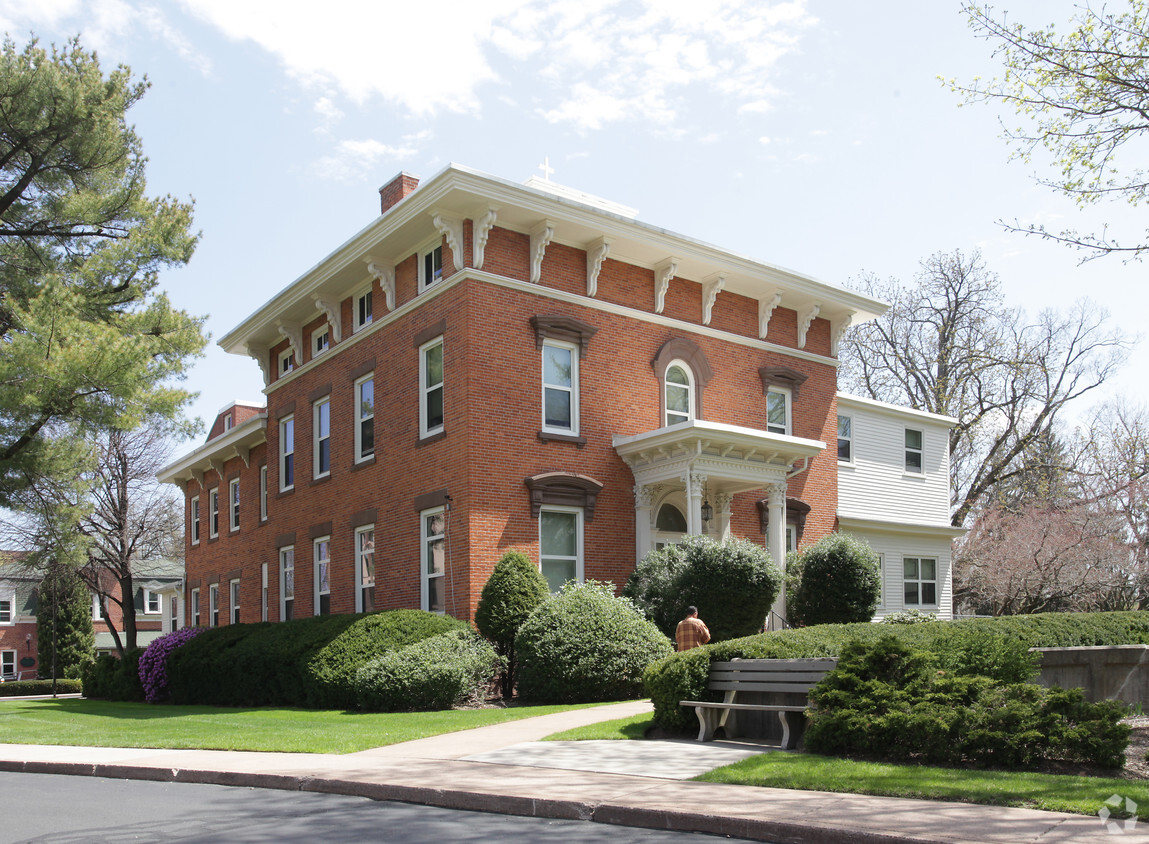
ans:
(88, 341)
(67, 644)
(840, 582)
(949, 345)
(511, 593)
(1081, 96)
(733, 584)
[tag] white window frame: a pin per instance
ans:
(286, 361)
(362, 309)
(691, 390)
(194, 516)
(233, 596)
(361, 418)
(213, 605)
(286, 434)
(8, 664)
(286, 564)
(427, 541)
(572, 390)
(919, 451)
(919, 581)
(263, 592)
(233, 504)
(578, 558)
(97, 608)
(848, 439)
(425, 389)
(786, 396)
(318, 438)
(195, 607)
(149, 597)
(429, 250)
(227, 422)
(320, 340)
(7, 609)
(362, 582)
(263, 493)
(321, 554)
(213, 513)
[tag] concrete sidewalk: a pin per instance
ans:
(505, 768)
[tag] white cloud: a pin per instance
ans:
(353, 160)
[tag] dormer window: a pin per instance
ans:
(227, 422)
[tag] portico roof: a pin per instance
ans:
(736, 459)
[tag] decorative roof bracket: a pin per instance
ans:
(805, 322)
(766, 306)
(481, 230)
(596, 252)
(451, 227)
(541, 236)
(664, 271)
(711, 286)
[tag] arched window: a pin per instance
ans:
(679, 386)
(670, 518)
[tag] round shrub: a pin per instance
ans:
(840, 582)
(511, 593)
(154, 662)
(435, 673)
(733, 584)
(584, 644)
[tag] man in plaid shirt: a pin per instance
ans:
(691, 632)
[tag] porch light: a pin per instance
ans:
(28, 641)
(707, 511)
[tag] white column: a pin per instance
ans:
(695, 486)
(643, 505)
(776, 504)
(722, 502)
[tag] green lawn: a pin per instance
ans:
(1080, 795)
(98, 723)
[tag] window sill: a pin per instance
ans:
(363, 464)
(847, 464)
(549, 436)
(284, 492)
(321, 480)
(918, 476)
(430, 438)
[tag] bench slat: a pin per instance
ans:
(768, 676)
(761, 707)
(811, 663)
(795, 688)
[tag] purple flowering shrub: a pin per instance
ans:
(154, 662)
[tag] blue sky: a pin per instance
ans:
(812, 135)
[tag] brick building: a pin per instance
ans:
(491, 365)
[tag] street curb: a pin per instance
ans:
(780, 832)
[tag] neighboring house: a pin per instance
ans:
(159, 599)
(894, 492)
(491, 365)
(18, 642)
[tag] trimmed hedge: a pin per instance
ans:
(584, 644)
(20, 688)
(436, 673)
(115, 678)
(983, 642)
(309, 662)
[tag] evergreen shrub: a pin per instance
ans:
(115, 678)
(839, 583)
(512, 592)
(584, 644)
(436, 673)
(73, 639)
(20, 688)
(733, 584)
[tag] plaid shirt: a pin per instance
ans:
(691, 633)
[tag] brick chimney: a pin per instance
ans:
(398, 188)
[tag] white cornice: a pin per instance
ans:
(941, 531)
(846, 400)
(237, 442)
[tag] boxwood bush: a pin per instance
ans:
(115, 678)
(435, 673)
(997, 646)
(886, 700)
(839, 582)
(20, 688)
(584, 644)
(309, 662)
(511, 593)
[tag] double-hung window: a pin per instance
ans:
(286, 582)
(195, 520)
(213, 513)
(8, 665)
(322, 554)
(365, 418)
(233, 504)
(560, 387)
(263, 592)
(778, 410)
(286, 361)
(365, 568)
(361, 310)
(287, 453)
(845, 439)
(434, 557)
(913, 451)
(679, 393)
(151, 602)
(920, 581)
(320, 340)
(6, 612)
(430, 266)
(321, 446)
(263, 493)
(234, 600)
(431, 387)
(560, 545)
(195, 607)
(213, 604)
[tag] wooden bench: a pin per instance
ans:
(778, 676)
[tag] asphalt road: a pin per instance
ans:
(74, 809)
